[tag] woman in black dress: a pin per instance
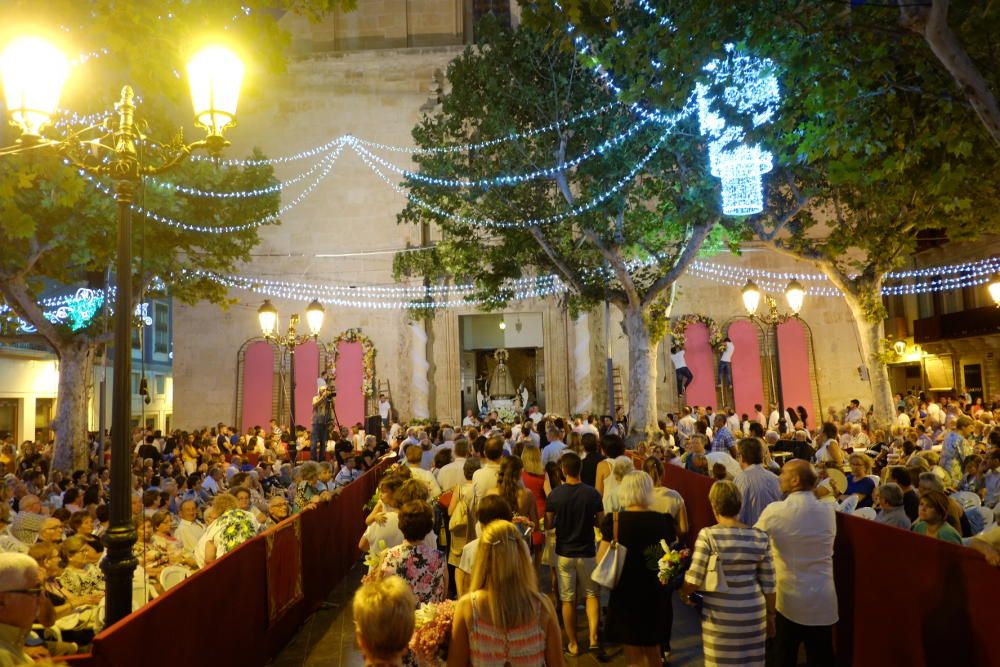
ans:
(639, 612)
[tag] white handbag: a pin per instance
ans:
(609, 569)
(715, 578)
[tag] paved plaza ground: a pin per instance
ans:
(326, 639)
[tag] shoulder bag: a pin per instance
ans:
(609, 569)
(715, 578)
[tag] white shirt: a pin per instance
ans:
(552, 452)
(802, 531)
(427, 478)
(726, 459)
(470, 421)
(382, 536)
(727, 354)
(678, 359)
(468, 560)
(587, 427)
(733, 422)
(384, 407)
(485, 479)
(903, 420)
(189, 533)
(452, 474)
(772, 420)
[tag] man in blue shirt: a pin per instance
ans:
(723, 440)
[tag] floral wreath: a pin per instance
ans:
(367, 359)
(715, 337)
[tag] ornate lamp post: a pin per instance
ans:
(768, 324)
(267, 315)
(33, 73)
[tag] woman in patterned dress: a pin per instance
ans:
(421, 566)
(735, 623)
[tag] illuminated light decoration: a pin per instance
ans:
(329, 160)
(78, 310)
(247, 194)
(142, 314)
(748, 89)
(512, 179)
(531, 222)
(459, 148)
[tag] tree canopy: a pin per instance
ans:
(874, 146)
(625, 243)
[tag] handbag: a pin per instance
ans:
(715, 578)
(458, 523)
(609, 569)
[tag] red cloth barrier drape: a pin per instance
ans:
(219, 615)
(904, 599)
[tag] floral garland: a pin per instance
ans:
(368, 356)
(715, 337)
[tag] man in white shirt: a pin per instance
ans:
(853, 412)
(587, 426)
(902, 419)
(384, 409)
(733, 423)
(485, 479)
(554, 449)
(681, 371)
(802, 531)
(453, 473)
(773, 418)
(726, 364)
(470, 419)
(685, 426)
(189, 529)
(758, 415)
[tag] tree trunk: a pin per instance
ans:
(76, 366)
(871, 333)
(641, 372)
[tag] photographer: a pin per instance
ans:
(321, 416)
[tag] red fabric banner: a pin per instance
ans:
(748, 378)
(793, 349)
(350, 384)
(284, 567)
(306, 373)
(701, 362)
(258, 385)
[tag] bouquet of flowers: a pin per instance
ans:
(373, 561)
(429, 642)
(506, 415)
(669, 564)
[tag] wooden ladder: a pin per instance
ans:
(616, 379)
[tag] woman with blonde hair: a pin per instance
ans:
(384, 620)
(504, 621)
(533, 478)
(859, 480)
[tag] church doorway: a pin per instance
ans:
(503, 362)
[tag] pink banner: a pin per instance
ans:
(306, 373)
(793, 353)
(350, 381)
(701, 362)
(748, 383)
(258, 385)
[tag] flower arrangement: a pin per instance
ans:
(373, 561)
(429, 642)
(368, 356)
(506, 415)
(715, 336)
(669, 564)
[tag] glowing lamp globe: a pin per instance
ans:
(215, 75)
(34, 72)
(994, 288)
(267, 315)
(314, 317)
(751, 297)
(795, 295)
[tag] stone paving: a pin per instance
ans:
(326, 639)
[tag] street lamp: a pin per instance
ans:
(994, 288)
(768, 323)
(267, 316)
(33, 74)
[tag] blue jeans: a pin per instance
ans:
(684, 378)
(725, 373)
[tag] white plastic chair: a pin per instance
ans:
(849, 504)
(967, 499)
(980, 519)
(876, 480)
(172, 575)
(865, 513)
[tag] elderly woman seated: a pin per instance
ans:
(76, 616)
(858, 481)
(891, 510)
(81, 577)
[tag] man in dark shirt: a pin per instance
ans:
(573, 509)
(911, 501)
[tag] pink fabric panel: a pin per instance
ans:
(701, 362)
(350, 378)
(748, 383)
(258, 385)
(306, 372)
(793, 353)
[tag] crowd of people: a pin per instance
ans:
(511, 520)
